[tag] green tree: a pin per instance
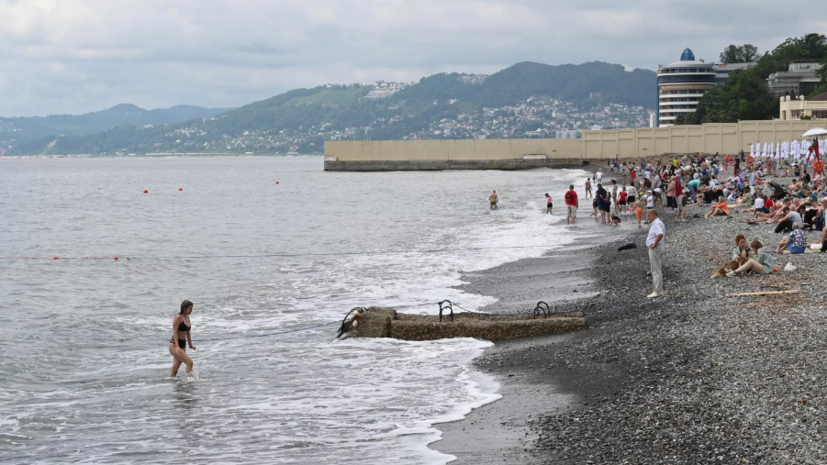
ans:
(730, 55)
(822, 73)
(748, 53)
(745, 95)
(739, 54)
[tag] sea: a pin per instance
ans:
(273, 251)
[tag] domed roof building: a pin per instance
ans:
(681, 86)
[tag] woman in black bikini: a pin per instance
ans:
(180, 337)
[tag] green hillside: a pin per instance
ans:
(306, 117)
(16, 131)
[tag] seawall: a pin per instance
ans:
(439, 165)
(515, 154)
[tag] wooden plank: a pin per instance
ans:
(794, 291)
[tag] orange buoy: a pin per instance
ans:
(27, 258)
(85, 258)
(146, 191)
(116, 258)
(55, 258)
(180, 189)
(277, 182)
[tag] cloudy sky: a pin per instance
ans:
(75, 56)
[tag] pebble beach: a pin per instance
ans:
(697, 376)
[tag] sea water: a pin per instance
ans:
(262, 246)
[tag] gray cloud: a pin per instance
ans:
(72, 56)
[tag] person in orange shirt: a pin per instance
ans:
(720, 208)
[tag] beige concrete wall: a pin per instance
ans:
(463, 149)
(709, 138)
(595, 145)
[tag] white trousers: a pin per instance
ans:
(655, 257)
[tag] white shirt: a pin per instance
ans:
(713, 183)
(759, 203)
(631, 191)
(650, 201)
(598, 175)
(656, 228)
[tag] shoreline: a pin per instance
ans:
(695, 377)
(501, 431)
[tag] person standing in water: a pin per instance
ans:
(588, 189)
(572, 203)
(493, 199)
(549, 205)
(180, 338)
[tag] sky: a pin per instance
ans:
(77, 56)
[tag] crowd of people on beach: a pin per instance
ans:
(749, 190)
(730, 185)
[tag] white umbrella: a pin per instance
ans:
(815, 132)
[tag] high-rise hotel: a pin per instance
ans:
(681, 85)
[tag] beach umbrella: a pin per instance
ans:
(815, 132)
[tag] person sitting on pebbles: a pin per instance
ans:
(740, 255)
(719, 209)
(761, 261)
(796, 242)
(745, 199)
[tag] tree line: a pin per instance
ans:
(745, 95)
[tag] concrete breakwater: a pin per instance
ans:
(387, 322)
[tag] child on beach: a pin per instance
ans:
(615, 220)
(683, 201)
(639, 212)
(622, 200)
(594, 206)
(548, 204)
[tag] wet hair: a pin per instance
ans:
(739, 238)
(184, 306)
(756, 244)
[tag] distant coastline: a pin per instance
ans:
(168, 155)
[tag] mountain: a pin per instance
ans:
(522, 97)
(19, 130)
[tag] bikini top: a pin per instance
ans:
(183, 326)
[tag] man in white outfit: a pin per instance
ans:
(655, 242)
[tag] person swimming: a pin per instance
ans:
(180, 337)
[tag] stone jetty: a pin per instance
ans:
(387, 322)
